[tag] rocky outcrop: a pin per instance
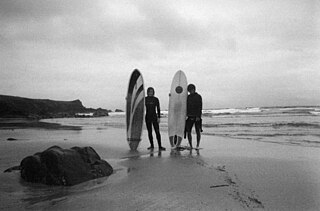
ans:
(57, 166)
(118, 110)
(13, 107)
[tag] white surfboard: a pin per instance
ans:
(135, 109)
(177, 108)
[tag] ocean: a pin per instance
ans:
(262, 152)
(295, 126)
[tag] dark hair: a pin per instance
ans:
(191, 87)
(149, 89)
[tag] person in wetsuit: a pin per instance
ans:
(194, 112)
(153, 117)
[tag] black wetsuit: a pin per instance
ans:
(194, 110)
(152, 115)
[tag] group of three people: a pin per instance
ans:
(194, 112)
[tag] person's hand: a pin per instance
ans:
(198, 119)
(159, 120)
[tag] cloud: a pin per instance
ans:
(24, 10)
(103, 26)
(236, 48)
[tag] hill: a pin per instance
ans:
(20, 107)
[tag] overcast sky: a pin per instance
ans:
(237, 53)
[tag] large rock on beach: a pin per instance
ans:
(57, 166)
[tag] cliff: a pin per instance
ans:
(19, 107)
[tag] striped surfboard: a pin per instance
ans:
(135, 109)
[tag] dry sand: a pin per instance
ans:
(226, 174)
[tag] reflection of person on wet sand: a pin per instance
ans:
(159, 153)
(178, 153)
(175, 153)
(190, 153)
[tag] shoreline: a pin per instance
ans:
(25, 123)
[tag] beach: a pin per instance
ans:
(79, 77)
(226, 174)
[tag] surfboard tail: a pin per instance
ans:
(175, 141)
(133, 143)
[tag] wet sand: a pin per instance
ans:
(227, 174)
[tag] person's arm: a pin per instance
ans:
(158, 108)
(200, 111)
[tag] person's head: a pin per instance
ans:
(191, 88)
(150, 91)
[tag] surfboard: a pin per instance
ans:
(135, 109)
(177, 108)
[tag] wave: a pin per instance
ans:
(301, 110)
(298, 139)
(290, 110)
(117, 113)
(297, 124)
(264, 125)
(227, 111)
(257, 135)
(316, 113)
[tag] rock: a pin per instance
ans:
(57, 166)
(21, 107)
(14, 168)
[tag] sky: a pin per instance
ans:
(247, 53)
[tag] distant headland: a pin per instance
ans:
(20, 107)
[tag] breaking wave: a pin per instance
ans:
(315, 110)
(273, 125)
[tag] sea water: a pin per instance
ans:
(296, 129)
(282, 125)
